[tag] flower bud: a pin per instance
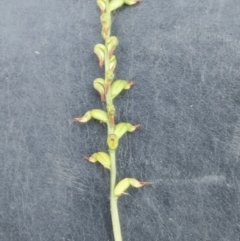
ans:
(109, 76)
(99, 50)
(102, 5)
(111, 43)
(98, 85)
(113, 63)
(108, 80)
(123, 127)
(112, 141)
(131, 2)
(111, 114)
(95, 113)
(115, 4)
(106, 22)
(121, 187)
(101, 157)
(104, 34)
(119, 85)
(125, 183)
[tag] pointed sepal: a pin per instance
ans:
(85, 118)
(119, 85)
(98, 85)
(101, 157)
(95, 113)
(123, 127)
(125, 183)
(100, 51)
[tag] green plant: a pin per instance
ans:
(109, 89)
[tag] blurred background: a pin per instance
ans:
(184, 58)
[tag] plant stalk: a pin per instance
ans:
(112, 153)
(113, 200)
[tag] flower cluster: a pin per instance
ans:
(108, 89)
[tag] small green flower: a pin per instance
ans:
(111, 43)
(112, 141)
(125, 183)
(100, 50)
(98, 85)
(123, 127)
(119, 85)
(101, 157)
(95, 113)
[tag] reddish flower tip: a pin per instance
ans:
(131, 83)
(137, 126)
(77, 119)
(145, 183)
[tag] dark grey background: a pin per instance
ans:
(184, 58)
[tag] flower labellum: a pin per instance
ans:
(112, 141)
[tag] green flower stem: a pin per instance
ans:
(113, 200)
(112, 153)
